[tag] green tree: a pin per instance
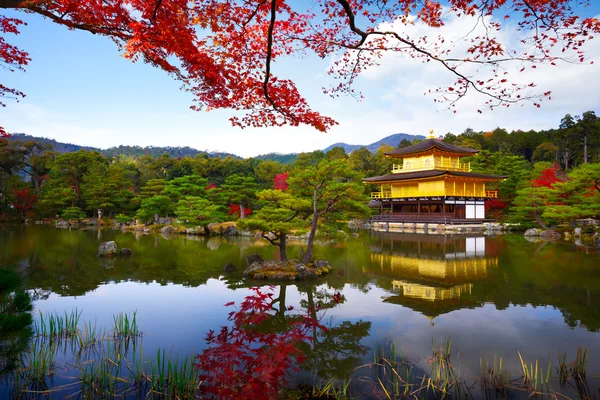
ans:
(152, 206)
(266, 171)
(15, 320)
(280, 215)
(240, 190)
(532, 202)
(66, 174)
(198, 211)
(580, 193)
(73, 213)
(335, 193)
(336, 153)
(189, 185)
(545, 152)
(153, 187)
(107, 188)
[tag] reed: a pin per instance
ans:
(331, 389)
(38, 366)
(56, 326)
(173, 379)
(576, 369)
(493, 375)
(125, 326)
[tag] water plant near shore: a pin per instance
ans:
(108, 364)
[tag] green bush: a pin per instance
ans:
(122, 218)
(73, 213)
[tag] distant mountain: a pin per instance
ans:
(392, 140)
(138, 151)
(57, 146)
(128, 151)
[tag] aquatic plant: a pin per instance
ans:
(125, 326)
(56, 326)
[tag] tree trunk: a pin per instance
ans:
(538, 219)
(281, 300)
(242, 213)
(313, 229)
(585, 153)
(282, 247)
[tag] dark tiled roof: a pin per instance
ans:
(429, 144)
(429, 174)
(374, 204)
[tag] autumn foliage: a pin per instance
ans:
(235, 209)
(24, 200)
(224, 51)
(246, 361)
(280, 182)
(547, 178)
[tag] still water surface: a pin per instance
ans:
(491, 295)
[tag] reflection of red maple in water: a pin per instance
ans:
(251, 358)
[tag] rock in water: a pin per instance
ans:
(549, 235)
(532, 232)
(62, 224)
(229, 267)
(252, 258)
(167, 230)
(230, 231)
(124, 252)
(107, 249)
(304, 273)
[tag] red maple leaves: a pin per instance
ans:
(235, 209)
(24, 200)
(224, 51)
(547, 178)
(280, 182)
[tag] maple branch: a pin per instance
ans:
(270, 53)
(103, 30)
(158, 4)
(353, 27)
(445, 62)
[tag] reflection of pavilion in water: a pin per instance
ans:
(429, 273)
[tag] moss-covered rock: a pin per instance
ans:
(285, 270)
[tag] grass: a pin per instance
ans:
(125, 326)
(106, 365)
(576, 369)
(57, 326)
(172, 378)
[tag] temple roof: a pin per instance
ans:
(429, 144)
(430, 174)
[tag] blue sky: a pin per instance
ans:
(81, 90)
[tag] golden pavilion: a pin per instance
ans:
(432, 184)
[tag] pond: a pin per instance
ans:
(492, 296)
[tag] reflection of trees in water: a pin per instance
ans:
(337, 350)
(15, 320)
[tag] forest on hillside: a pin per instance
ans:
(553, 177)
